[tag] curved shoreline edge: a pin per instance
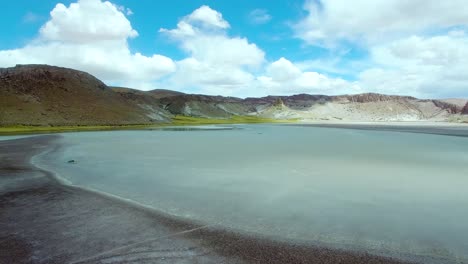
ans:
(46, 221)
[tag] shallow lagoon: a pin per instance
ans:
(391, 193)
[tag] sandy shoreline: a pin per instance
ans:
(44, 221)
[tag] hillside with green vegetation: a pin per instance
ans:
(52, 96)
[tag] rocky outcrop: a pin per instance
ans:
(451, 108)
(205, 106)
(296, 102)
(163, 93)
(374, 97)
(278, 103)
(48, 95)
(465, 110)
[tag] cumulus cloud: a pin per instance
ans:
(87, 21)
(433, 66)
(217, 63)
(417, 48)
(413, 46)
(284, 77)
(371, 20)
(90, 35)
(259, 16)
(125, 10)
(207, 17)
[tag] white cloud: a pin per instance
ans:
(207, 17)
(421, 66)
(333, 65)
(125, 10)
(441, 50)
(209, 78)
(217, 63)
(412, 45)
(284, 77)
(223, 50)
(372, 20)
(91, 35)
(87, 21)
(283, 70)
(259, 16)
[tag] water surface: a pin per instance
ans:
(399, 194)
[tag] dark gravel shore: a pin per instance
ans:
(43, 221)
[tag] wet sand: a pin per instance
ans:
(43, 221)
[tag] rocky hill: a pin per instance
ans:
(206, 106)
(464, 111)
(361, 107)
(48, 95)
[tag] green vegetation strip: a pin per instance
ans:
(176, 121)
(14, 130)
(190, 120)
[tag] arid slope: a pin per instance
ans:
(48, 95)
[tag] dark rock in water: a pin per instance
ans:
(71, 161)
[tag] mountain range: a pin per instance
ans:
(53, 96)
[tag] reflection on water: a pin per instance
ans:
(391, 193)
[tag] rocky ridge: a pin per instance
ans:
(48, 95)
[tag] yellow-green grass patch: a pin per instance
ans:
(178, 120)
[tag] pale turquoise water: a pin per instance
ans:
(12, 137)
(391, 193)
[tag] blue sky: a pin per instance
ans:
(274, 37)
(151, 15)
(248, 48)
